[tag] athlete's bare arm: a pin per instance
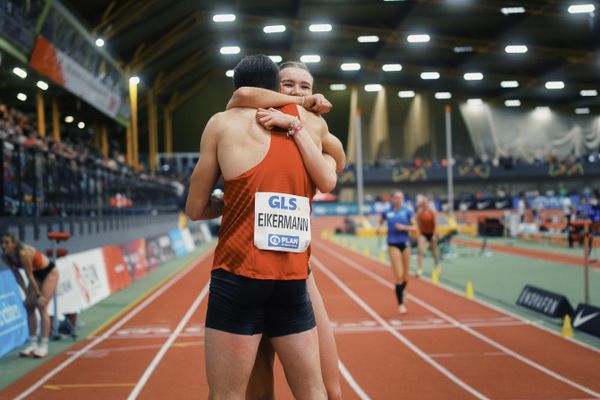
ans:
(254, 97)
(200, 204)
(320, 168)
(316, 103)
(333, 146)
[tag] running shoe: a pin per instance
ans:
(29, 350)
(40, 352)
(402, 309)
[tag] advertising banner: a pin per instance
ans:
(63, 70)
(177, 243)
(153, 253)
(587, 319)
(545, 302)
(187, 239)
(166, 248)
(69, 291)
(13, 317)
(90, 273)
(116, 268)
(134, 253)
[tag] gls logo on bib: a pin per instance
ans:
(281, 222)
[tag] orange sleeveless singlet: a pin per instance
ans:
(425, 220)
(282, 171)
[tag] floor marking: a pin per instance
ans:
(188, 315)
(191, 265)
(467, 329)
(352, 382)
(394, 333)
(88, 386)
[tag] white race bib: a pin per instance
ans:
(281, 222)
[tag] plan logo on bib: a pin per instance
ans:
(284, 241)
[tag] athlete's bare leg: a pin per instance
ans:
(420, 253)
(261, 384)
(327, 346)
(299, 355)
(229, 360)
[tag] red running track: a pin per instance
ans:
(446, 347)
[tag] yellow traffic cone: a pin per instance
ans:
(381, 256)
(366, 251)
(567, 329)
(469, 292)
(435, 278)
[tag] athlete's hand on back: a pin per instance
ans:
(317, 103)
(273, 118)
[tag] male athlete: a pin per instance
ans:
(258, 282)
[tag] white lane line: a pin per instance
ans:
(163, 350)
(352, 382)
(467, 329)
(115, 327)
(535, 323)
(394, 333)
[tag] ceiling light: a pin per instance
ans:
(81, 125)
(20, 72)
(42, 85)
(229, 73)
(22, 96)
(512, 10)
(337, 87)
(368, 39)
(406, 94)
(320, 28)
(582, 111)
(443, 95)
(430, 75)
(516, 49)
(391, 67)
(473, 76)
(350, 66)
(310, 58)
(463, 49)
(230, 50)
(512, 103)
(373, 87)
(274, 29)
(134, 80)
(69, 119)
(589, 93)
(553, 85)
(475, 102)
(509, 84)
(224, 17)
(581, 8)
(99, 42)
(276, 59)
(542, 110)
(418, 38)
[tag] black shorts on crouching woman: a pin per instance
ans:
(246, 306)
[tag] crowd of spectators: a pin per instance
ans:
(73, 152)
(460, 161)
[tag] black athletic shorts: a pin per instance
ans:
(400, 246)
(427, 236)
(41, 274)
(246, 306)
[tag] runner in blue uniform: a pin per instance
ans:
(400, 221)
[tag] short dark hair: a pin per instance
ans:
(256, 70)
